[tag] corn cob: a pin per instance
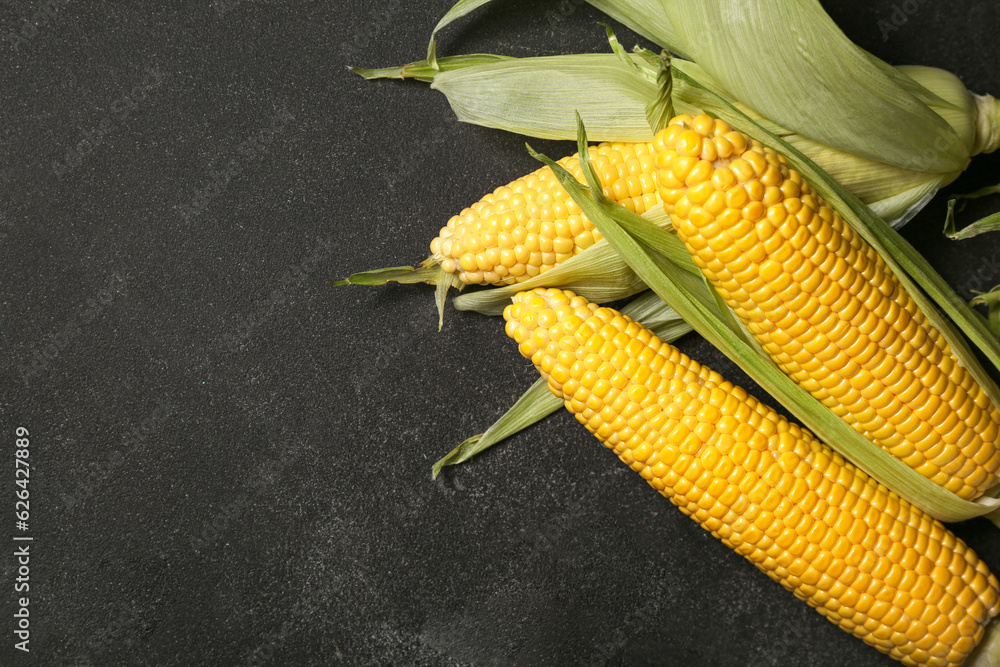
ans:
(867, 560)
(823, 304)
(530, 225)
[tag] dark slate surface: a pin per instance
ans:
(231, 459)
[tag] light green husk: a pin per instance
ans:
(791, 63)
(991, 300)
(892, 136)
(990, 223)
(428, 272)
(536, 97)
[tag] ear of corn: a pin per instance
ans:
(867, 560)
(824, 305)
(910, 267)
(530, 225)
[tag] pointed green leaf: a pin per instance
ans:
(428, 273)
(444, 283)
(981, 192)
(990, 223)
(647, 18)
(537, 96)
(423, 70)
(661, 110)
(536, 404)
(458, 10)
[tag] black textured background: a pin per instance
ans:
(231, 459)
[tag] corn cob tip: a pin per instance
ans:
(531, 225)
(535, 317)
(703, 155)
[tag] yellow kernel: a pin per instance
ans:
(689, 144)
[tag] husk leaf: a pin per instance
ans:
(809, 77)
(428, 272)
(423, 70)
(533, 96)
(536, 96)
(990, 223)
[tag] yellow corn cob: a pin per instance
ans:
(532, 224)
(870, 562)
(823, 303)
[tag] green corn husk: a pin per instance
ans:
(990, 223)
(892, 136)
(428, 272)
(991, 300)
(809, 77)
(537, 97)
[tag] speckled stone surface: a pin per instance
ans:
(230, 459)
